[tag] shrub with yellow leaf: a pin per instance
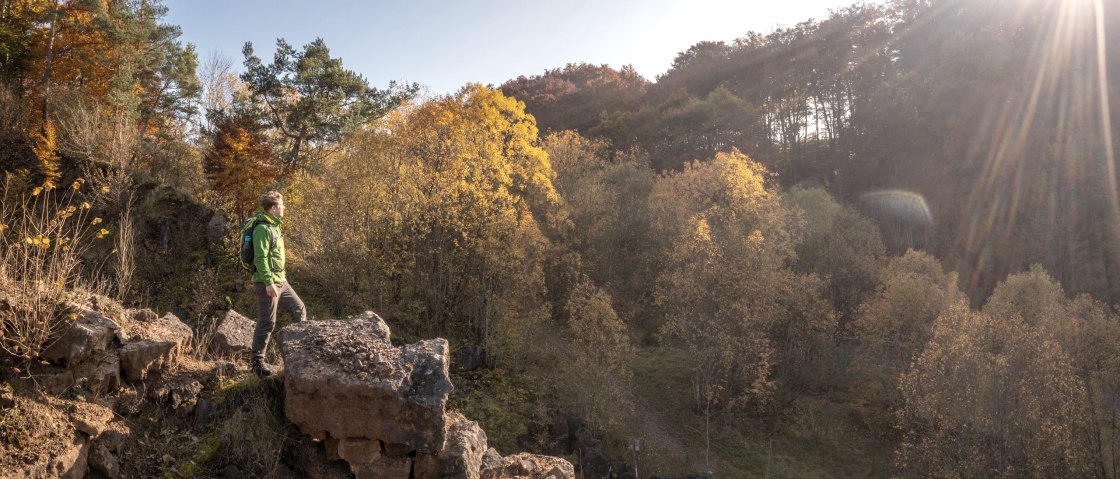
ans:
(41, 246)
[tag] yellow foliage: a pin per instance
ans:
(441, 198)
(45, 149)
(725, 287)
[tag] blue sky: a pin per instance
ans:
(446, 44)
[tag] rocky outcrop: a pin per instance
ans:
(373, 404)
(531, 466)
(382, 408)
(234, 336)
(90, 333)
(154, 343)
(462, 454)
(469, 358)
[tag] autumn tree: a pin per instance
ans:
(607, 201)
(1089, 332)
(240, 163)
(725, 287)
(444, 219)
(896, 322)
(1032, 295)
(839, 245)
(311, 100)
(992, 397)
(577, 96)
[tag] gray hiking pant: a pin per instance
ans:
(266, 313)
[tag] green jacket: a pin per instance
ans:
(268, 258)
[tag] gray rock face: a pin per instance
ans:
(234, 337)
(90, 333)
(531, 466)
(347, 385)
(491, 459)
(101, 374)
(177, 393)
(157, 343)
(462, 455)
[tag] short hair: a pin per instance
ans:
(270, 199)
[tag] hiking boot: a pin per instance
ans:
(261, 369)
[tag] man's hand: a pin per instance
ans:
(271, 291)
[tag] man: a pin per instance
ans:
(269, 282)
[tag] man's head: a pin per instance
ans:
(273, 203)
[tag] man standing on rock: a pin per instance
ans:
(269, 282)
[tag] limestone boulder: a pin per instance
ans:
(491, 459)
(176, 393)
(234, 336)
(462, 455)
(90, 333)
(347, 385)
(531, 466)
(154, 344)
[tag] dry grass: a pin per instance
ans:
(253, 429)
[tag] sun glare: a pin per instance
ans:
(1066, 97)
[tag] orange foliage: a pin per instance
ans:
(240, 163)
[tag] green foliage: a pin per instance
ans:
(607, 203)
(896, 322)
(252, 428)
(502, 401)
(311, 100)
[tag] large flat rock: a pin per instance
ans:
(346, 384)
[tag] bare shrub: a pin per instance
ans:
(126, 252)
(84, 127)
(42, 238)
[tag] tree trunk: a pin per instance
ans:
(293, 158)
(47, 68)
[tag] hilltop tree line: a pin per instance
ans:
(568, 220)
(997, 112)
